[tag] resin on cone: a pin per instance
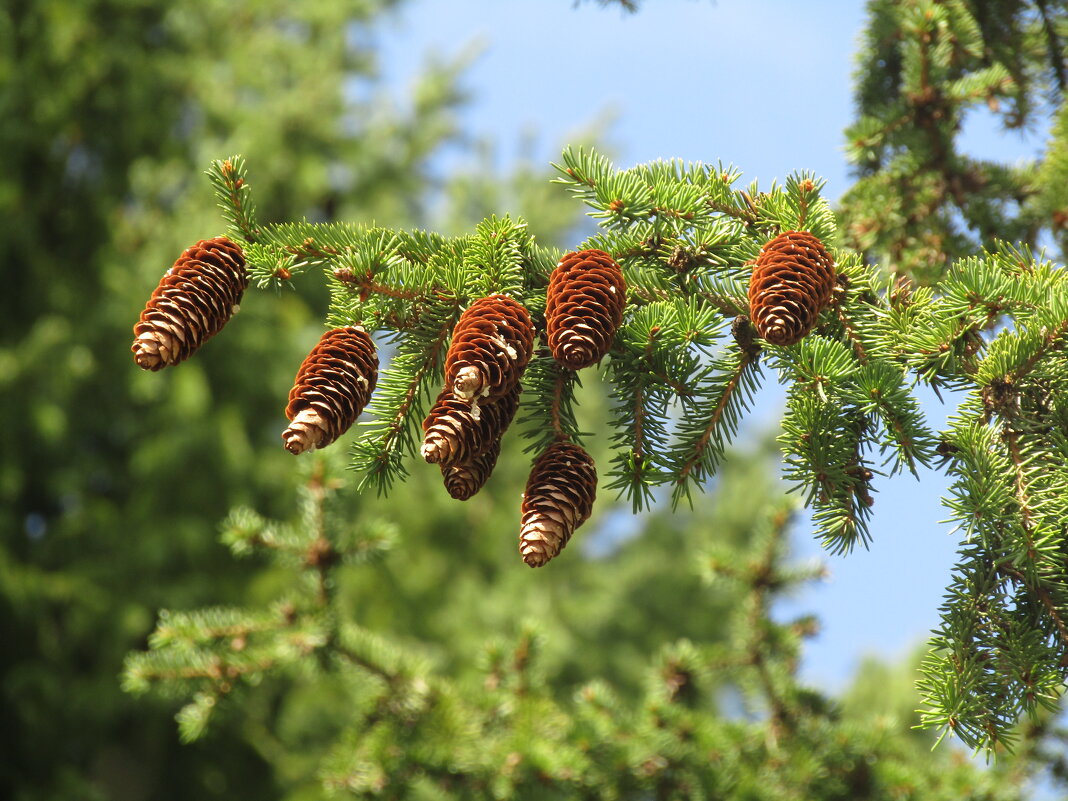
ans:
(558, 499)
(464, 479)
(193, 301)
(332, 387)
(791, 284)
(584, 307)
(491, 345)
(456, 430)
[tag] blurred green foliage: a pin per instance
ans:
(113, 482)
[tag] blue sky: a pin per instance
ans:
(765, 85)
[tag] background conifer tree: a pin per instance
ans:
(384, 648)
(112, 483)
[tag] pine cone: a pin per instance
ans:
(191, 304)
(332, 387)
(491, 345)
(558, 499)
(791, 284)
(458, 430)
(464, 479)
(584, 307)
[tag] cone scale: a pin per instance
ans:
(584, 307)
(331, 389)
(456, 430)
(491, 345)
(558, 499)
(465, 479)
(791, 284)
(195, 298)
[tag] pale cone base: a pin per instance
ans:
(469, 383)
(777, 332)
(436, 449)
(538, 544)
(153, 348)
(305, 432)
(576, 356)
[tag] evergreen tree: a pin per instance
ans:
(396, 649)
(335, 688)
(110, 480)
(723, 285)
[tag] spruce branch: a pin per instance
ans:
(398, 405)
(209, 654)
(851, 334)
(765, 658)
(230, 180)
(713, 415)
(547, 412)
(640, 419)
(690, 244)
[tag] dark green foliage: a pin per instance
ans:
(681, 383)
(517, 716)
(920, 202)
(397, 648)
(109, 480)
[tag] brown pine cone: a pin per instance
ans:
(558, 499)
(584, 307)
(191, 304)
(491, 345)
(332, 387)
(791, 284)
(464, 479)
(458, 430)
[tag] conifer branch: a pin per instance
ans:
(1043, 596)
(381, 451)
(559, 431)
(230, 180)
(1053, 43)
(762, 579)
(702, 452)
(366, 285)
(310, 249)
(638, 440)
(320, 554)
(1053, 340)
(851, 333)
(725, 305)
(1009, 434)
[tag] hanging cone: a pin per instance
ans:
(191, 304)
(791, 284)
(332, 387)
(558, 499)
(491, 345)
(464, 479)
(584, 307)
(458, 430)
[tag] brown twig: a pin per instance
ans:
(368, 286)
(763, 581)
(681, 390)
(308, 249)
(1044, 598)
(747, 217)
(851, 334)
(1054, 340)
(562, 376)
(429, 362)
(1010, 436)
